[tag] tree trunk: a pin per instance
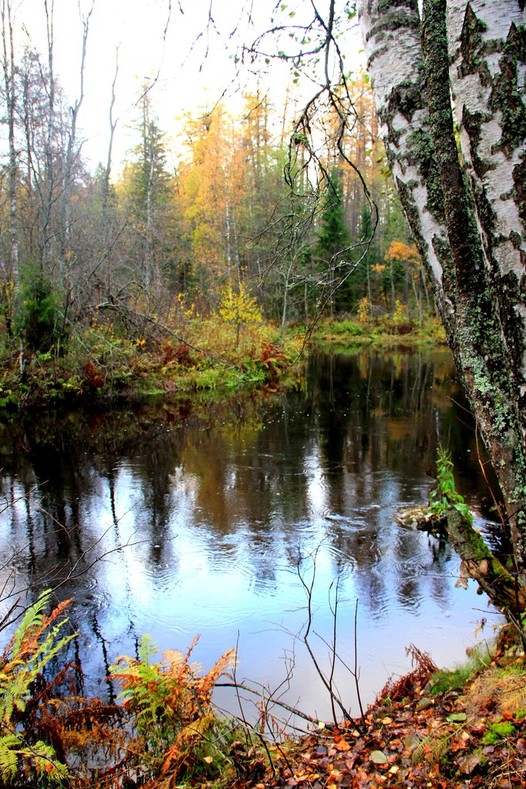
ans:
(9, 74)
(480, 564)
(464, 197)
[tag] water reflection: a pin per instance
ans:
(176, 519)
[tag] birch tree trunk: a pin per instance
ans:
(9, 80)
(461, 66)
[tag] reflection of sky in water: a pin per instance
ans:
(217, 539)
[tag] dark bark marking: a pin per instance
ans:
(472, 122)
(472, 46)
(519, 189)
(506, 92)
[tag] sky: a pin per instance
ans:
(191, 64)
(186, 49)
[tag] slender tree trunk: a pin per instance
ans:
(8, 64)
(72, 150)
(49, 181)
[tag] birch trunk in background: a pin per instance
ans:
(10, 271)
(449, 84)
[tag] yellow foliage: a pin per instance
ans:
(364, 309)
(239, 307)
(406, 253)
(400, 312)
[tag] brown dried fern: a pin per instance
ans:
(404, 686)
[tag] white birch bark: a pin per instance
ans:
(467, 219)
(485, 62)
(394, 63)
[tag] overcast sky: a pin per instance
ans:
(190, 58)
(187, 47)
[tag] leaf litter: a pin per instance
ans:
(463, 738)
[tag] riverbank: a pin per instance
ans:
(100, 365)
(390, 331)
(464, 727)
(457, 728)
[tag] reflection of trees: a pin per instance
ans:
(379, 417)
(366, 424)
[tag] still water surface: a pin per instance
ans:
(174, 520)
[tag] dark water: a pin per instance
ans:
(183, 518)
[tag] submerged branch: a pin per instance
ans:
(479, 563)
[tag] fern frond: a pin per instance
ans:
(226, 662)
(431, 748)
(28, 652)
(9, 746)
(45, 761)
(187, 740)
(40, 756)
(31, 620)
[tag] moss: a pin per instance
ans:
(423, 155)
(498, 731)
(519, 189)
(483, 566)
(406, 98)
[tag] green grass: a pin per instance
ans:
(457, 677)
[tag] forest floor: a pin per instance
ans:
(426, 729)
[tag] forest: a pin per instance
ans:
(239, 217)
(174, 393)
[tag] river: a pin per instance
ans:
(232, 520)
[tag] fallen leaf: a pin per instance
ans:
(468, 763)
(456, 717)
(378, 757)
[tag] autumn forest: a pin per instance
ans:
(262, 394)
(280, 214)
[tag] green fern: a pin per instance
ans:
(13, 752)
(36, 642)
(9, 747)
(444, 496)
(29, 651)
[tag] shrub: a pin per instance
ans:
(39, 319)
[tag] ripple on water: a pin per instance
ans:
(208, 590)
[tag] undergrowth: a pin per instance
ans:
(456, 678)
(107, 360)
(164, 732)
(444, 495)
